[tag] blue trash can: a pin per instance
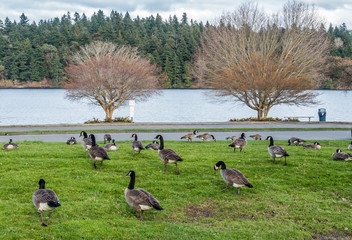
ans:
(322, 114)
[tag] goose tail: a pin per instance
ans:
(54, 204)
(158, 207)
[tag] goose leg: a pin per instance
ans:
(227, 186)
(51, 212)
(285, 162)
(178, 173)
(165, 164)
(141, 215)
(238, 192)
(95, 166)
(41, 216)
(101, 164)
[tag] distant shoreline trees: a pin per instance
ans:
(38, 52)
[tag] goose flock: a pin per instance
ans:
(46, 200)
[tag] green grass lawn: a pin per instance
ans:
(309, 198)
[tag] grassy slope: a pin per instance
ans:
(311, 197)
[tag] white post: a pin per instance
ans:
(131, 103)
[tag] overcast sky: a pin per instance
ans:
(334, 11)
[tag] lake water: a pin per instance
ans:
(49, 106)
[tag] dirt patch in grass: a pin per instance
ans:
(204, 210)
(333, 236)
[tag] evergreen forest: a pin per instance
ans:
(35, 52)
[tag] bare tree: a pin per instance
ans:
(262, 60)
(108, 75)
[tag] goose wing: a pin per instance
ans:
(189, 135)
(203, 136)
(137, 144)
(154, 146)
(341, 156)
(238, 142)
(278, 150)
(98, 152)
(169, 154)
(86, 143)
(142, 197)
(43, 196)
(235, 176)
(308, 145)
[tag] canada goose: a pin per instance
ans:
(137, 146)
(45, 200)
(107, 138)
(140, 199)
(239, 143)
(296, 141)
(339, 155)
(256, 136)
(71, 141)
(190, 136)
(350, 146)
(152, 146)
(111, 146)
(315, 145)
(97, 153)
(233, 138)
(10, 145)
(86, 142)
(206, 136)
(232, 177)
(276, 151)
(168, 155)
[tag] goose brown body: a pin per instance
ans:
(296, 141)
(97, 153)
(341, 156)
(140, 199)
(71, 141)
(233, 138)
(45, 200)
(276, 151)
(190, 136)
(10, 145)
(107, 138)
(136, 145)
(232, 177)
(239, 143)
(314, 145)
(206, 136)
(168, 155)
(153, 145)
(111, 146)
(256, 136)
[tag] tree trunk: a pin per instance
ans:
(259, 114)
(266, 111)
(108, 114)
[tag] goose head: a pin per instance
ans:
(218, 165)
(41, 184)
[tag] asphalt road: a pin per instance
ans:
(219, 135)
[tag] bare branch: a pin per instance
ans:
(262, 60)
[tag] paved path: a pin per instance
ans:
(220, 135)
